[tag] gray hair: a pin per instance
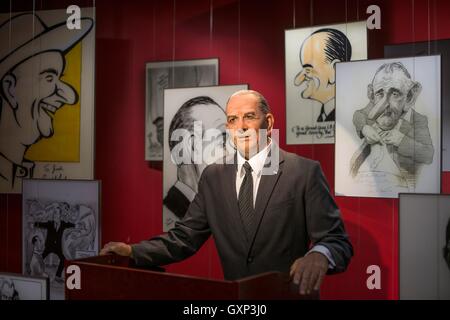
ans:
(262, 102)
(391, 67)
(183, 117)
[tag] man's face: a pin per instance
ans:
(390, 90)
(57, 214)
(7, 291)
(39, 93)
(213, 121)
(317, 73)
(244, 121)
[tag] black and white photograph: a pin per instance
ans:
(194, 137)
(311, 55)
(61, 221)
(19, 287)
(424, 48)
(424, 246)
(388, 127)
(47, 112)
(166, 75)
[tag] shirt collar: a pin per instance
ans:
(257, 162)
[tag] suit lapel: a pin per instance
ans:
(265, 190)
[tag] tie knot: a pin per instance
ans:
(247, 167)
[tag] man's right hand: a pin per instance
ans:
(370, 134)
(120, 248)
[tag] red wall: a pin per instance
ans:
(248, 38)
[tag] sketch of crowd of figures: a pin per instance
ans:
(53, 232)
(19, 287)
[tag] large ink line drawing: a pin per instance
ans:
(32, 71)
(311, 57)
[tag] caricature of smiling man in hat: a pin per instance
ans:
(31, 90)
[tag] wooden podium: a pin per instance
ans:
(112, 277)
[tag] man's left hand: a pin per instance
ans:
(308, 272)
(393, 136)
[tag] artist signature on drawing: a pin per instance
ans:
(318, 131)
(54, 171)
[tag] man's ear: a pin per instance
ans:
(370, 94)
(333, 75)
(8, 90)
(270, 121)
(413, 93)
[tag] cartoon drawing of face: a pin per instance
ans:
(392, 93)
(318, 55)
(35, 92)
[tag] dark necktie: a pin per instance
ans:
(245, 201)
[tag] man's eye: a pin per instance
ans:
(49, 78)
(249, 117)
(231, 120)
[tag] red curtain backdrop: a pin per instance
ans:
(248, 38)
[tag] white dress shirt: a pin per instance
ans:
(257, 163)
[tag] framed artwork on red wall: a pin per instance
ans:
(311, 55)
(171, 74)
(424, 240)
(388, 127)
(47, 113)
(194, 117)
(60, 221)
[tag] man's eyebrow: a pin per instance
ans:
(50, 70)
(307, 66)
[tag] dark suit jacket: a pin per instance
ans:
(53, 241)
(294, 207)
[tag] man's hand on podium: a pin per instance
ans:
(120, 248)
(308, 272)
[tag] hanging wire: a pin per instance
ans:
(211, 25)
(173, 41)
(293, 14)
(357, 10)
(239, 41)
(429, 27)
(154, 31)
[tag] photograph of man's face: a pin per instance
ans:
(165, 75)
(194, 137)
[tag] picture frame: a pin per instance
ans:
(182, 108)
(310, 77)
(406, 155)
(424, 246)
(61, 221)
(60, 137)
(14, 286)
(162, 75)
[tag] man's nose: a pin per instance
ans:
(66, 93)
(299, 78)
(379, 107)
